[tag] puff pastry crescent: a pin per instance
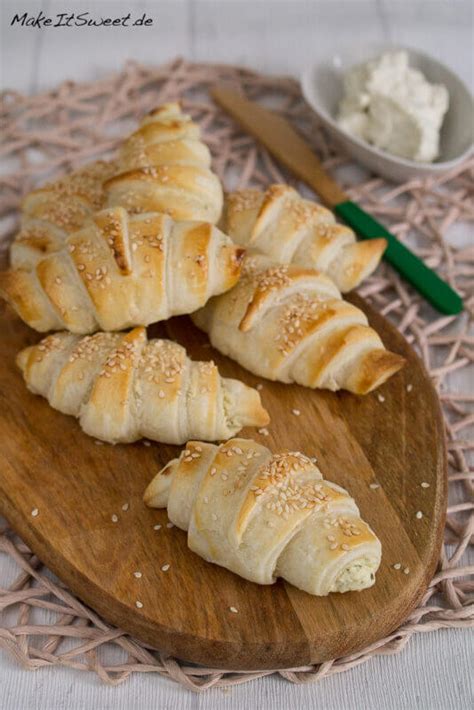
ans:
(123, 387)
(264, 515)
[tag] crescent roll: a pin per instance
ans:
(291, 230)
(123, 387)
(119, 271)
(165, 167)
(290, 324)
(264, 515)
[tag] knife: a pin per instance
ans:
(290, 149)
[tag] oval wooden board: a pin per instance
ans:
(49, 464)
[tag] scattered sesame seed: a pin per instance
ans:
(34, 512)
(156, 527)
(345, 547)
(139, 605)
(233, 610)
(419, 515)
(374, 486)
(296, 412)
(425, 484)
(260, 387)
(165, 568)
(263, 432)
(125, 507)
(397, 565)
(333, 546)
(137, 574)
(169, 525)
(409, 388)
(114, 518)
(381, 398)
(406, 570)
(147, 443)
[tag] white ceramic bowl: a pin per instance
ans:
(322, 89)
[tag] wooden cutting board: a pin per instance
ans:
(393, 437)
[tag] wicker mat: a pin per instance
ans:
(42, 623)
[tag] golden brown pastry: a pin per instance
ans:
(50, 213)
(264, 515)
(165, 167)
(122, 387)
(290, 324)
(119, 271)
(290, 230)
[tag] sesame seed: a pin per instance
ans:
(147, 443)
(137, 574)
(263, 431)
(409, 388)
(139, 604)
(165, 568)
(156, 527)
(419, 515)
(425, 484)
(214, 516)
(233, 610)
(381, 398)
(34, 512)
(345, 547)
(296, 412)
(397, 565)
(125, 507)
(114, 518)
(260, 387)
(333, 546)
(374, 486)
(406, 570)
(169, 525)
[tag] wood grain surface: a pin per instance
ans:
(393, 437)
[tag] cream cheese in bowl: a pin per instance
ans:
(392, 106)
(323, 88)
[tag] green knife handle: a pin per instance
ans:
(425, 280)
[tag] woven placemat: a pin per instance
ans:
(42, 623)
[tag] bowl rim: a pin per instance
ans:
(373, 51)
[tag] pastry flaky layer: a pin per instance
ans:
(120, 270)
(123, 387)
(290, 229)
(264, 515)
(291, 324)
(165, 167)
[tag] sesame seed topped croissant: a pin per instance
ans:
(120, 270)
(123, 387)
(264, 515)
(290, 324)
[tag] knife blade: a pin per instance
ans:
(290, 149)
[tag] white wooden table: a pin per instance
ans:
(276, 36)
